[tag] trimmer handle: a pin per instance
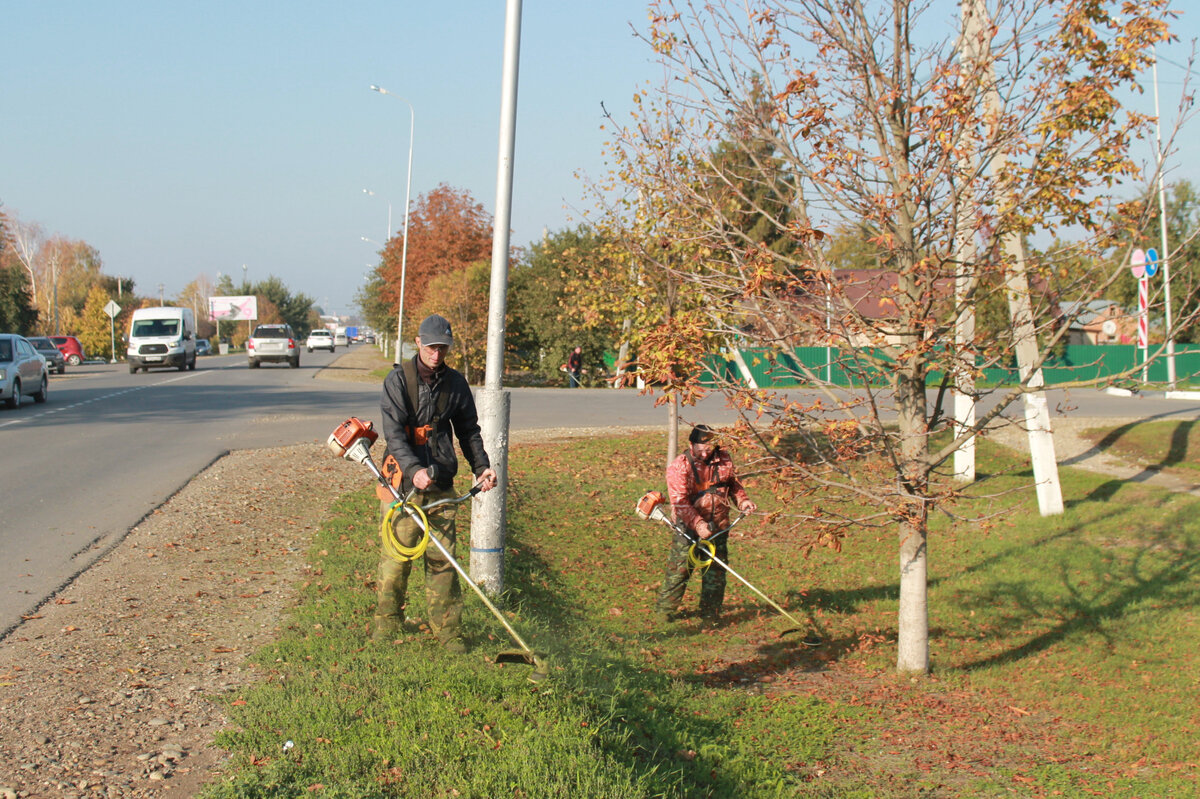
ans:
(475, 489)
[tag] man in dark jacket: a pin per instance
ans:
(425, 405)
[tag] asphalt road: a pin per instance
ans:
(109, 447)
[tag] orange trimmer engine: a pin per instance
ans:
(348, 433)
(650, 506)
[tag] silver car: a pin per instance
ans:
(273, 344)
(22, 371)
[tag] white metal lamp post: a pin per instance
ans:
(1162, 223)
(412, 121)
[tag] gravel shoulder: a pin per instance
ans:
(113, 687)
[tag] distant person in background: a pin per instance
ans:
(575, 367)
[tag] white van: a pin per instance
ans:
(161, 337)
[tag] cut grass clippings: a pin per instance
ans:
(1062, 648)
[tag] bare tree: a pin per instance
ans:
(27, 239)
(950, 152)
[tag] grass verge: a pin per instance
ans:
(1063, 652)
(1162, 446)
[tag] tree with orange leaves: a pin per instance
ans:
(864, 118)
(447, 232)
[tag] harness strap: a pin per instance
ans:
(702, 486)
(418, 437)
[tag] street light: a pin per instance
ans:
(1162, 225)
(388, 234)
(412, 121)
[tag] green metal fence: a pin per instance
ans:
(846, 367)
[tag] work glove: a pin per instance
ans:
(747, 507)
(703, 530)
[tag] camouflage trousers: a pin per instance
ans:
(443, 596)
(679, 571)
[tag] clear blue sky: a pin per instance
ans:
(193, 137)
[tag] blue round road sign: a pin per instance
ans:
(1151, 262)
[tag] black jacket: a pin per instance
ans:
(449, 392)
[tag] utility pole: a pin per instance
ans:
(489, 509)
(977, 56)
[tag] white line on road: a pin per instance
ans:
(59, 408)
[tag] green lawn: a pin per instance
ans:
(1062, 651)
(1171, 447)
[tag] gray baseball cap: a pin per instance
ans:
(435, 330)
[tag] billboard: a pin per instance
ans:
(233, 309)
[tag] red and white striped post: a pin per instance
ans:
(1144, 324)
(1137, 265)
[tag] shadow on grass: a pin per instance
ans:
(1162, 575)
(1176, 451)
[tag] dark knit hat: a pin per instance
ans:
(700, 434)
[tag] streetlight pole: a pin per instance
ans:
(412, 122)
(1162, 224)
(489, 510)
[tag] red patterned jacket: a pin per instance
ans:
(703, 491)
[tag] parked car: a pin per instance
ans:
(273, 344)
(22, 371)
(55, 362)
(71, 349)
(203, 347)
(320, 339)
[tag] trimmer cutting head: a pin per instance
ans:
(540, 667)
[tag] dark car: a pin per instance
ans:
(70, 347)
(203, 347)
(55, 361)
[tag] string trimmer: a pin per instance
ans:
(703, 553)
(352, 440)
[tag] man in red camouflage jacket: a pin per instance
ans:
(701, 484)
